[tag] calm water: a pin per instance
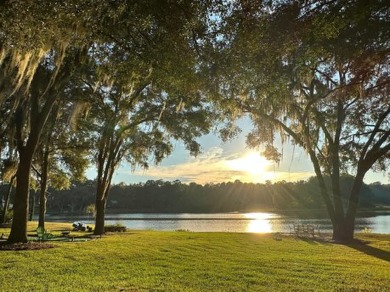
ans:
(230, 222)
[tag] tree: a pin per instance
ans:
(61, 155)
(42, 45)
(148, 97)
(30, 116)
(316, 73)
(136, 130)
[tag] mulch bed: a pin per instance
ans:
(24, 246)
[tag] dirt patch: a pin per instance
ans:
(24, 246)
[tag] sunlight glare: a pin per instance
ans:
(260, 223)
(252, 163)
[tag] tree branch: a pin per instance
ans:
(374, 132)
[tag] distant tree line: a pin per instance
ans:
(158, 196)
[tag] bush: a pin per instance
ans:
(115, 228)
(91, 210)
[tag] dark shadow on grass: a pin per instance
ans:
(79, 238)
(313, 240)
(369, 250)
(358, 245)
(310, 240)
(5, 246)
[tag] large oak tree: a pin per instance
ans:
(148, 97)
(41, 46)
(44, 45)
(317, 73)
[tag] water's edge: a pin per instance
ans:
(261, 222)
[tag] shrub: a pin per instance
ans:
(115, 228)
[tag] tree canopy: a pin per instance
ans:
(136, 74)
(124, 49)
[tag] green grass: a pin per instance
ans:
(186, 261)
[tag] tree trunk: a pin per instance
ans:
(32, 206)
(20, 216)
(42, 207)
(346, 227)
(43, 191)
(349, 230)
(100, 214)
(353, 204)
(339, 231)
(37, 114)
(7, 199)
(325, 195)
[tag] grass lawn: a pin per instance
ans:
(186, 261)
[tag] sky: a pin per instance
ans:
(226, 161)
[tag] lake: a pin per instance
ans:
(261, 222)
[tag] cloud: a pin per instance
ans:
(208, 167)
(213, 167)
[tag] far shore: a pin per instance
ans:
(323, 212)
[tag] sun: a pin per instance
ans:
(252, 163)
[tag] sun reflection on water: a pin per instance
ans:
(260, 222)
